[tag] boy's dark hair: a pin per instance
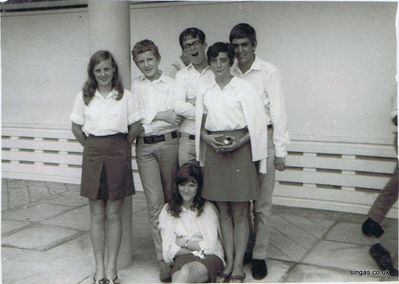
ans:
(243, 30)
(144, 46)
(217, 47)
(191, 32)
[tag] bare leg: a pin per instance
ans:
(114, 235)
(97, 233)
(226, 224)
(192, 272)
(241, 234)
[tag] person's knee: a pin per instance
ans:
(97, 213)
(114, 212)
(240, 213)
(200, 272)
(196, 271)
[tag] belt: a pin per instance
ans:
(270, 126)
(190, 136)
(159, 138)
(122, 135)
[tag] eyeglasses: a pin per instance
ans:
(194, 44)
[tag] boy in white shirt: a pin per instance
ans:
(157, 144)
(188, 80)
(266, 79)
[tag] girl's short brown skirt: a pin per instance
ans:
(212, 263)
(230, 176)
(107, 168)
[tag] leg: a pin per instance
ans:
(168, 164)
(262, 213)
(387, 197)
(186, 150)
(192, 272)
(390, 242)
(241, 234)
(226, 225)
(114, 234)
(152, 185)
(263, 208)
(97, 233)
(385, 200)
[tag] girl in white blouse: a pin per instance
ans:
(232, 127)
(190, 233)
(101, 117)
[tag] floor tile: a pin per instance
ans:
(141, 225)
(36, 184)
(8, 226)
(309, 273)
(144, 252)
(341, 255)
(20, 264)
(37, 193)
(283, 247)
(36, 213)
(4, 199)
(77, 219)
(4, 183)
(17, 197)
(16, 183)
(348, 233)
(56, 187)
(139, 274)
(70, 263)
(39, 237)
(73, 187)
(316, 226)
(295, 232)
(68, 198)
(308, 213)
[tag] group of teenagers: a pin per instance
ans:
(208, 143)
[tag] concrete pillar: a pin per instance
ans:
(109, 29)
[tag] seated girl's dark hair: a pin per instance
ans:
(187, 172)
(217, 47)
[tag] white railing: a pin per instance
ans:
(324, 175)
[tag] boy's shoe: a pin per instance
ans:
(164, 271)
(259, 269)
(371, 228)
(383, 259)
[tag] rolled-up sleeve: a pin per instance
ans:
(77, 115)
(133, 113)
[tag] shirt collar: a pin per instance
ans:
(233, 83)
(160, 79)
(256, 65)
(111, 94)
(191, 67)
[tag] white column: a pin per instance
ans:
(109, 29)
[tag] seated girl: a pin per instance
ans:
(190, 231)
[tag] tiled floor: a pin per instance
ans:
(45, 239)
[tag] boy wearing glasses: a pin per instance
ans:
(188, 81)
(266, 79)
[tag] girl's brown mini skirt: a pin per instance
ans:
(107, 168)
